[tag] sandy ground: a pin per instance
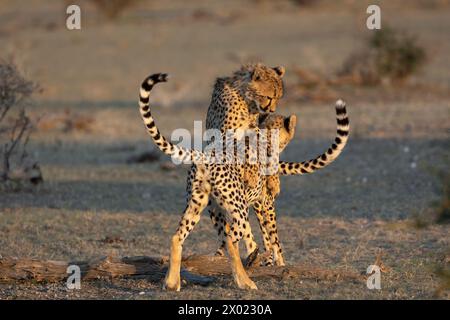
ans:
(371, 199)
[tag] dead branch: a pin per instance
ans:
(198, 269)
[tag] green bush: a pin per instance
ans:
(389, 54)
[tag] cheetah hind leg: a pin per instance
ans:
(217, 220)
(271, 225)
(190, 218)
(240, 276)
(251, 246)
(265, 259)
(172, 281)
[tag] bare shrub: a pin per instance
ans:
(15, 127)
(112, 9)
(390, 54)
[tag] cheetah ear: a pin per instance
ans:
(290, 123)
(279, 70)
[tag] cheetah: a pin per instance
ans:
(285, 128)
(251, 89)
(264, 208)
(207, 181)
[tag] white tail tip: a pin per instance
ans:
(340, 103)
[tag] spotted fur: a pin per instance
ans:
(236, 99)
(265, 206)
(224, 187)
(161, 142)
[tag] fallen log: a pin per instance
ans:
(214, 266)
(197, 269)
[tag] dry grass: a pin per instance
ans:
(443, 205)
(444, 275)
(66, 121)
(438, 211)
(112, 9)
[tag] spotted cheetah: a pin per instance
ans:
(252, 89)
(264, 208)
(285, 128)
(211, 181)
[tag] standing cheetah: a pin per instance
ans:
(265, 207)
(200, 186)
(250, 90)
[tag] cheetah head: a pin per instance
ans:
(262, 86)
(285, 126)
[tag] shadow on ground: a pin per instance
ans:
(365, 181)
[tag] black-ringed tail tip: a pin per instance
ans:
(148, 83)
(342, 118)
(180, 153)
(323, 160)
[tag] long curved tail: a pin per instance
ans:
(321, 161)
(178, 152)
